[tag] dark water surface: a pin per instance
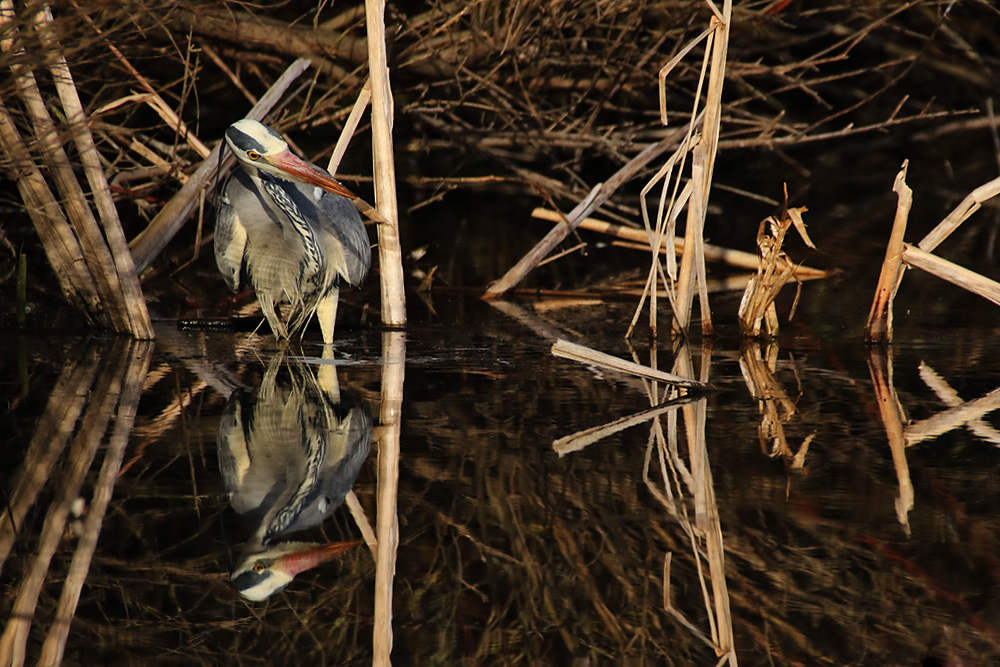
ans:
(836, 547)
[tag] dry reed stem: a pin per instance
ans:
(598, 195)
(757, 312)
(586, 355)
(879, 326)
(953, 273)
(893, 418)
(950, 397)
(960, 214)
(130, 293)
(350, 127)
(136, 358)
(386, 520)
(702, 166)
(59, 242)
(389, 250)
(148, 244)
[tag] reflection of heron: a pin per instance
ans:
(289, 454)
(291, 228)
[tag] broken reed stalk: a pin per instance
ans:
(879, 326)
(597, 196)
(757, 313)
(390, 254)
(393, 342)
(152, 240)
(960, 214)
(586, 355)
(953, 273)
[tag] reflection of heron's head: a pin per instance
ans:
(263, 574)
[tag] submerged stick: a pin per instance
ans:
(586, 355)
(598, 195)
(879, 326)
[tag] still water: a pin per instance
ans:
(805, 512)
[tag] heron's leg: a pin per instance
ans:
(327, 376)
(277, 326)
(326, 313)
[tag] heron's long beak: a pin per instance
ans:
(300, 561)
(293, 165)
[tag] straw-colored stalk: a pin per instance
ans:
(389, 250)
(129, 293)
(586, 355)
(691, 273)
(879, 326)
(955, 416)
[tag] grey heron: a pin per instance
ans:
(289, 454)
(290, 228)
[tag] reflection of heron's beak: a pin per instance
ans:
(303, 171)
(300, 561)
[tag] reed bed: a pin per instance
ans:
(534, 101)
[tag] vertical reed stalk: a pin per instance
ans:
(389, 252)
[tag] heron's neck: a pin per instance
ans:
(280, 192)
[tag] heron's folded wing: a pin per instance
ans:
(230, 244)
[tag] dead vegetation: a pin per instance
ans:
(537, 99)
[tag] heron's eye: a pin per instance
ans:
(253, 155)
(259, 567)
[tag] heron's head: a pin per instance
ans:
(263, 574)
(259, 147)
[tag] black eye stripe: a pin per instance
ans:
(243, 141)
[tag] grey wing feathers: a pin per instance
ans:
(350, 230)
(230, 243)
